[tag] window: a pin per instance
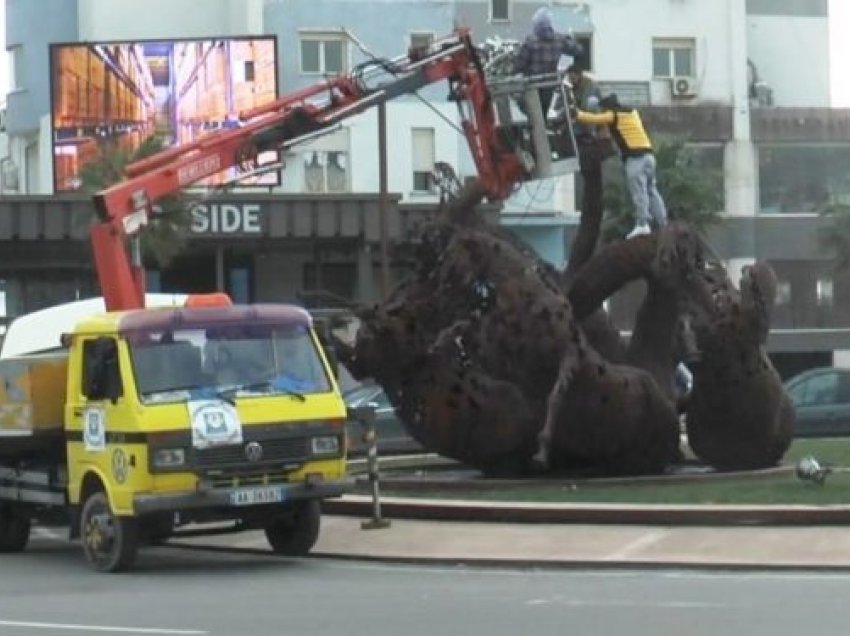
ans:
(819, 389)
(500, 10)
(325, 171)
(16, 68)
(423, 159)
(101, 374)
(631, 93)
(673, 58)
(249, 71)
(420, 40)
(585, 59)
(323, 54)
(173, 366)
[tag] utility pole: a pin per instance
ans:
(383, 198)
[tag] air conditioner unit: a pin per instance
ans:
(682, 86)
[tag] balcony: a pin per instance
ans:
(713, 123)
(21, 115)
(694, 123)
(823, 125)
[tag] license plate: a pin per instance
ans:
(254, 496)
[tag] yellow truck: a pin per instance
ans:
(145, 424)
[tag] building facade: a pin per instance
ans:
(744, 81)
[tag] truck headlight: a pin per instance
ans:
(169, 457)
(326, 445)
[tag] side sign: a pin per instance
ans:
(226, 218)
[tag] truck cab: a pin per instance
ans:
(180, 416)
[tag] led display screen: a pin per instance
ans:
(112, 100)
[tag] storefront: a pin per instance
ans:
(257, 247)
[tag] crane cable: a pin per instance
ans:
(388, 66)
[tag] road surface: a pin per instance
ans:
(48, 590)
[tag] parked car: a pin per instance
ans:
(391, 433)
(821, 400)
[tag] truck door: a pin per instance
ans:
(102, 423)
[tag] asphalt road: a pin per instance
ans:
(179, 592)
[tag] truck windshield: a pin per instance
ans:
(226, 362)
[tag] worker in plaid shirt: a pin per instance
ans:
(540, 52)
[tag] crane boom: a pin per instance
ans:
(126, 207)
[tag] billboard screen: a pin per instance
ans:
(109, 98)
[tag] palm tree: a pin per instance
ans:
(165, 237)
(691, 192)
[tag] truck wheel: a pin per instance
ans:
(295, 535)
(110, 542)
(14, 530)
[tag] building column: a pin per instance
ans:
(366, 288)
(220, 283)
(740, 178)
(739, 158)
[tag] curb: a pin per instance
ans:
(588, 564)
(648, 514)
(416, 483)
(533, 564)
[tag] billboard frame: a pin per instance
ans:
(52, 87)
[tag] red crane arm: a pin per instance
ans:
(127, 206)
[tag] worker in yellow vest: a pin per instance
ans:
(638, 157)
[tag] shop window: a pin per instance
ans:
(325, 171)
(673, 57)
(802, 178)
(333, 279)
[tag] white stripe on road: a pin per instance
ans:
(576, 602)
(104, 628)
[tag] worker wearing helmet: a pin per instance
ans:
(638, 157)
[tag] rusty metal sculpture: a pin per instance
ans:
(495, 359)
(739, 416)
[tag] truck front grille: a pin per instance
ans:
(273, 452)
(237, 480)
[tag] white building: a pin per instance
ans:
(746, 80)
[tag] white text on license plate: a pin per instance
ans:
(251, 496)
